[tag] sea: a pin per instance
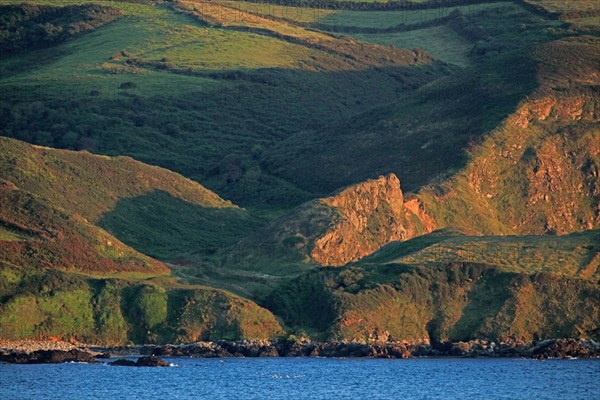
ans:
(309, 378)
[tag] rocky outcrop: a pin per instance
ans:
(537, 172)
(222, 348)
(566, 348)
(47, 357)
(370, 215)
(123, 362)
(147, 361)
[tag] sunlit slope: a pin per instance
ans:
(348, 54)
(92, 185)
(156, 211)
(533, 170)
(33, 234)
(49, 303)
(576, 255)
(538, 171)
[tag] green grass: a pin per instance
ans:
(569, 255)
(562, 6)
(191, 232)
(114, 311)
(586, 23)
(272, 128)
(229, 118)
(91, 185)
(151, 34)
(458, 301)
(440, 41)
(389, 19)
(7, 235)
(292, 13)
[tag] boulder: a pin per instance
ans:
(151, 361)
(122, 362)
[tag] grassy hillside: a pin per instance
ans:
(54, 259)
(574, 255)
(215, 107)
(456, 301)
(116, 311)
(37, 235)
(480, 120)
(424, 135)
(152, 209)
(92, 185)
(537, 172)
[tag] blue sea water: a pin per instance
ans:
(309, 378)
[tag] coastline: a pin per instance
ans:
(57, 351)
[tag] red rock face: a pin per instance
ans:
(370, 215)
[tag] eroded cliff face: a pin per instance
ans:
(538, 171)
(369, 215)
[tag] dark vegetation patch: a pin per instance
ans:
(29, 26)
(190, 231)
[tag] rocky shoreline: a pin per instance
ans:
(553, 348)
(57, 352)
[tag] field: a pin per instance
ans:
(292, 13)
(389, 19)
(231, 117)
(440, 41)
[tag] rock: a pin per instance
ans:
(249, 348)
(565, 348)
(122, 362)
(371, 214)
(47, 357)
(145, 361)
(151, 361)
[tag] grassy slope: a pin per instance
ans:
(37, 235)
(118, 311)
(108, 289)
(28, 26)
(300, 228)
(440, 41)
(450, 302)
(501, 75)
(520, 178)
(573, 255)
(562, 6)
(152, 209)
(424, 135)
(92, 185)
(388, 19)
